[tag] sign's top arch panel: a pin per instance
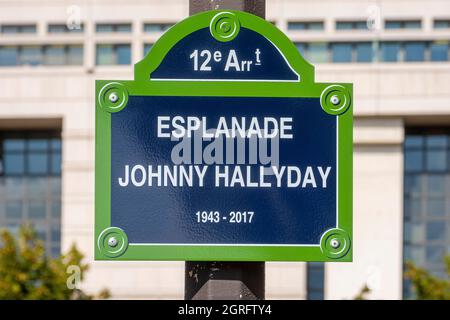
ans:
(224, 46)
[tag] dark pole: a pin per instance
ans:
(208, 280)
(256, 7)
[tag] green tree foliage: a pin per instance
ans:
(427, 286)
(362, 295)
(26, 272)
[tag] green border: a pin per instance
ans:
(143, 86)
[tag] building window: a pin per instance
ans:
(310, 25)
(317, 52)
(351, 25)
(63, 55)
(341, 52)
(390, 51)
(9, 56)
(41, 55)
(14, 29)
(315, 280)
(364, 52)
(439, 50)
(147, 47)
(426, 200)
(402, 24)
(55, 55)
(64, 28)
(30, 55)
(74, 55)
(113, 54)
(414, 51)
(30, 184)
(301, 47)
(441, 24)
(156, 27)
(387, 51)
(112, 27)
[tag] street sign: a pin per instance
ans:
(223, 147)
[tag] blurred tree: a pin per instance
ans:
(26, 272)
(427, 286)
(362, 295)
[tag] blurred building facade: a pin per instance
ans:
(396, 52)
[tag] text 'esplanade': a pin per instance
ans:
(234, 127)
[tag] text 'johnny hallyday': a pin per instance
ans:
(235, 150)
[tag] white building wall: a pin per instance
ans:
(386, 96)
(377, 214)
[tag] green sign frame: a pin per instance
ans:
(336, 244)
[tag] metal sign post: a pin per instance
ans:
(223, 148)
(225, 280)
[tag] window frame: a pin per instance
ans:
(47, 222)
(418, 216)
(163, 27)
(65, 29)
(20, 28)
(307, 25)
(403, 24)
(114, 54)
(314, 289)
(352, 24)
(115, 27)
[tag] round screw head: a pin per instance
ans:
(112, 242)
(113, 97)
(335, 243)
(335, 100)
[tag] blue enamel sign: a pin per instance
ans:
(230, 181)
(223, 148)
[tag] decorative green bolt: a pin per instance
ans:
(224, 26)
(113, 97)
(335, 100)
(112, 242)
(335, 243)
